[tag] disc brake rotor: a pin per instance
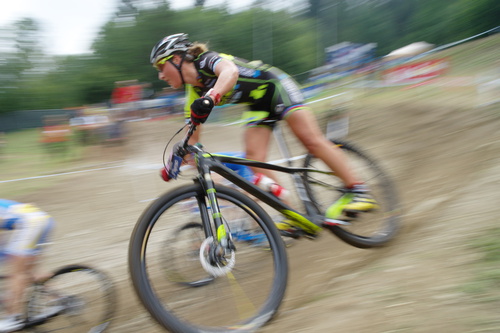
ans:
(220, 265)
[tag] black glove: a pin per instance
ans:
(200, 109)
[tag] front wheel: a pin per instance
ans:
(366, 230)
(168, 263)
(180, 260)
(75, 298)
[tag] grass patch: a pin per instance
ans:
(485, 286)
(23, 156)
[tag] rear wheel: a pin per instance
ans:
(75, 298)
(238, 294)
(365, 230)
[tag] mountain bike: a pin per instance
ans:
(73, 298)
(224, 284)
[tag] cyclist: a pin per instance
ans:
(212, 78)
(30, 228)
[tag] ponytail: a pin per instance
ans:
(196, 49)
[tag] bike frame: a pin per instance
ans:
(206, 163)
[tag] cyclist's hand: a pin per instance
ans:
(200, 109)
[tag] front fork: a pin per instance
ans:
(222, 239)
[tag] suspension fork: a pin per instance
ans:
(222, 236)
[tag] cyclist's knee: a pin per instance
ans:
(314, 143)
(256, 154)
(256, 146)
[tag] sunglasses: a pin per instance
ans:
(162, 62)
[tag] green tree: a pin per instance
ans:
(21, 55)
(291, 40)
(199, 3)
(468, 18)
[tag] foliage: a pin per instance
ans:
(485, 286)
(16, 64)
(291, 40)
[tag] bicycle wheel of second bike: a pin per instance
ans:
(241, 299)
(366, 230)
(76, 298)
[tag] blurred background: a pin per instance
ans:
(84, 120)
(42, 69)
(73, 77)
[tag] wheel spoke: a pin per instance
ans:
(76, 298)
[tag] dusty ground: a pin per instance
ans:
(444, 156)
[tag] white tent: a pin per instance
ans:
(410, 50)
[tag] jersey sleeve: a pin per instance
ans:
(8, 217)
(208, 61)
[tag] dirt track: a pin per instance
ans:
(444, 156)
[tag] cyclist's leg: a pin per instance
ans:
(256, 146)
(257, 136)
(259, 127)
(21, 276)
(74, 295)
(303, 124)
(23, 252)
(289, 105)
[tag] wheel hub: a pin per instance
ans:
(214, 259)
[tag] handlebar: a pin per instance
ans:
(179, 151)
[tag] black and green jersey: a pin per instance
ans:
(263, 87)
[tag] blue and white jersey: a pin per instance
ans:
(8, 217)
(31, 227)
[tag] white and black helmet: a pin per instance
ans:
(170, 45)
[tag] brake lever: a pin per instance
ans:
(173, 166)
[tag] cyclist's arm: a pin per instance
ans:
(227, 77)
(191, 95)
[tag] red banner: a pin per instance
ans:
(415, 72)
(126, 94)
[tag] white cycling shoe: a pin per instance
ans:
(11, 324)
